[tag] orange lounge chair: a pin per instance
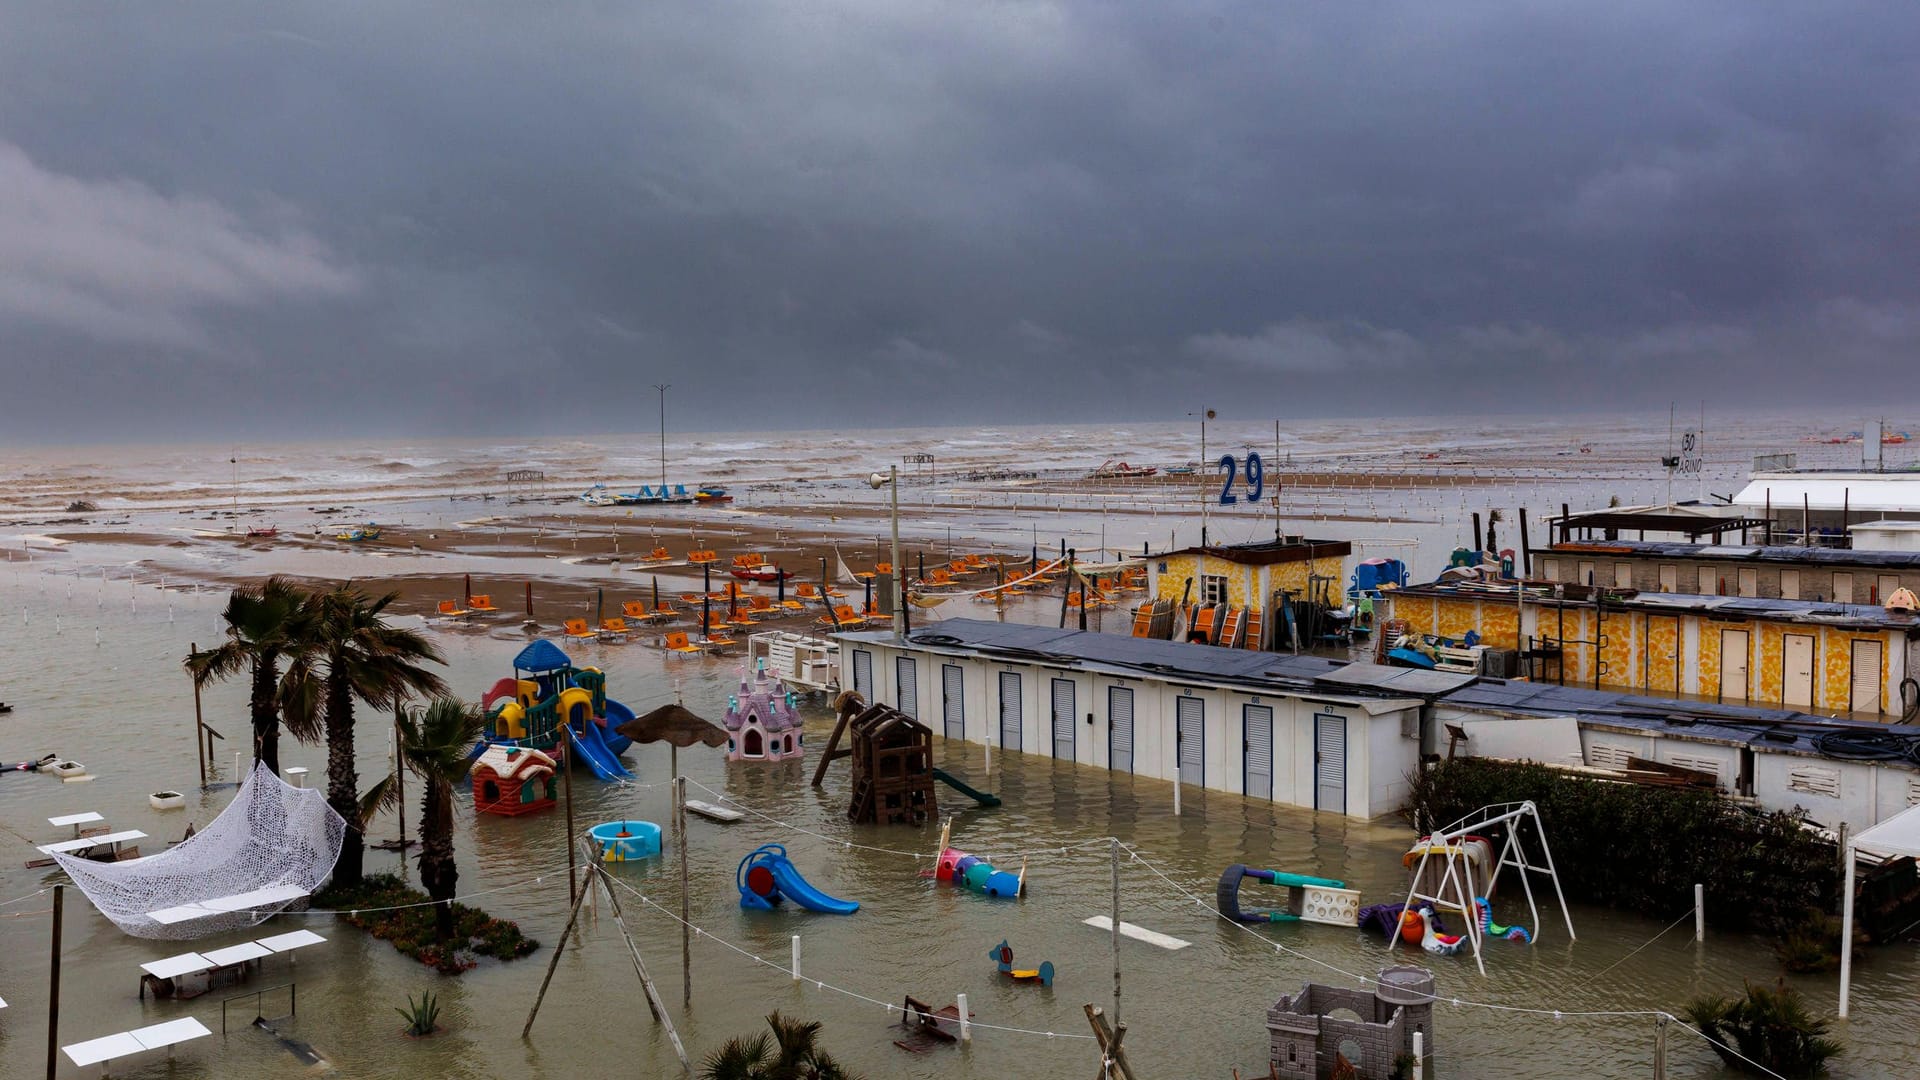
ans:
(615, 627)
(761, 605)
(663, 612)
(658, 554)
(835, 593)
(691, 598)
(677, 642)
(634, 609)
(702, 556)
(578, 628)
(450, 609)
(481, 603)
(806, 591)
(843, 616)
(939, 577)
(1143, 620)
(793, 605)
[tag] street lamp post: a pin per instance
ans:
(663, 387)
(892, 480)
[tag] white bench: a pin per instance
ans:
(75, 820)
(103, 1050)
(165, 976)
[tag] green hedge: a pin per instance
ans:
(392, 911)
(1643, 848)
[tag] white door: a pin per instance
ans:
(1842, 589)
(1866, 677)
(863, 675)
(1669, 579)
(906, 674)
(1623, 575)
(1063, 706)
(1585, 575)
(1886, 585)
(1330, 762)
(1733, 665)
(1789, 584)
(1748, 581)
(1256, 745)
(1796, 676)
(953, 700)
(1189, 739)
(1010, 710)
(1120, 728)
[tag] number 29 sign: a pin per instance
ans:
(1254, 482)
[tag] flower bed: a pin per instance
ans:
(411, 928)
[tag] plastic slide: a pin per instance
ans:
(984, 798)
(617, 715)
(766, 877)
(593, 750)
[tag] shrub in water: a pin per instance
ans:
(1770, 1027)
(423, 1016)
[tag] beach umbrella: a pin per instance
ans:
(656, 592)
(673, 724)
(780, 584)
(706, 598)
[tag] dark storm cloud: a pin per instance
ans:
(343, 217)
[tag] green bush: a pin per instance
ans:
(1642, 848)
(411, 929)
(423, 1016)
(1770, 1027)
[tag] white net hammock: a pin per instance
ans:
(273, 839)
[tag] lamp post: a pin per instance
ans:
(892, 480)
(1205, 415)
(663, 387)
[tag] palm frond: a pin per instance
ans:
(381, 797)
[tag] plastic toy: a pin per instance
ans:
(956, 867)
(1489, 928)
(623, 840)
(761, 724)
(1309, 899)
(1421, 922)
(1002, 957)
(512, 780)
(529, 711)
(765, 877)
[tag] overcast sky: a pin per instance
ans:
(303, 218)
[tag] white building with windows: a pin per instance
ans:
(1301, 730)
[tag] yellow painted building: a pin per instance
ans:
(1825, 658)
(1249, 576)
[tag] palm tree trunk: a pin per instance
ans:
(265, 709)
(343, 781)
(437, 871)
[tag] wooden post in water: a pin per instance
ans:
(567, 729)
(686, 925)
(554, 961)
(654, 1003)
(53, 983)
(1113, 1058)
(199, 740)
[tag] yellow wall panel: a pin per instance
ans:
(1660, 665)
(1707, 660)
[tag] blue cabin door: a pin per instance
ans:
(1256, 745)
(1189, 736)
(1063, 713)
(952, 701)
(863, 675)
(1010, 710)
(1120, 728)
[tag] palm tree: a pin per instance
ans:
(266, 624)
(792, 1054)
(363, 657)
(435, 742)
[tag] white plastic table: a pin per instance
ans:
(75, 820)
(222, 905)
(237, 954)
(113, 840)
(299, 939)
(105, 1048)
(173, 966)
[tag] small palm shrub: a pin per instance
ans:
(423, 1016)
(1769, 1026)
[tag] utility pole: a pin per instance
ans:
(663, 388)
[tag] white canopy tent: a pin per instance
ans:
(1898, 835)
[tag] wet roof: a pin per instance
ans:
(1711, 604)
(1775, 553)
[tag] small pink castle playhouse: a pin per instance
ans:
(761, 724)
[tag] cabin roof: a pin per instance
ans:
(1806, 612)
(1266, 552)
(1838, 558)
(524, 762)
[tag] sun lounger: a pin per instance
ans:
(843, 617)
(664, 612)
(634, 609)
(614, 627)
(658, 554)
(452, 610)
(677, 642)
(578, 628)
(153, 1037)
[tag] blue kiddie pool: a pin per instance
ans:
(623, 840)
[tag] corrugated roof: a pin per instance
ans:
(1719, 606)
(1839, 558)
(1876, 493)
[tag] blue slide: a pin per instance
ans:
(617, 715)
(766, 877)
(594, 751)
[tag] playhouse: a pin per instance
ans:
(761, 722)
(892, 768)
(512, 780)
(549, 705)
(1306, 1039)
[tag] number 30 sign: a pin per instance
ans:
(1230, 471)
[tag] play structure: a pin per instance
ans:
(551, 706)
(1002, 957)
(1308, 1032)
(892, 763)
(1456, 868)
(512, 780)
(761, 722)
(620, 841)
(766, 877)
(1309, 899)
(956, 867)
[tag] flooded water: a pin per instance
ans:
(123, 707)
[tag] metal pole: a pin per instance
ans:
(1846, 935)
(1419, 1055)
(899, 598)
(966, 1029)
(663, 387)
(796, 958)
(53, 983)
(1114, 843)
(1659, 1046)
(1699, 912)
(686, 925)
(199, 724)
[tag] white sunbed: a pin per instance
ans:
(272, 896)
(154, 1037)
(75, 820)
(112, 839)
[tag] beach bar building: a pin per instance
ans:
(1250, 577)
(1303, 730)
(1765, 571)
(1823, 657)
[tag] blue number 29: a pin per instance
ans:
(1230, 470)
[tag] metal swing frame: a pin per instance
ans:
(1457, 879)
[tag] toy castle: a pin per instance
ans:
(761, 723)
(1305, 1040)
